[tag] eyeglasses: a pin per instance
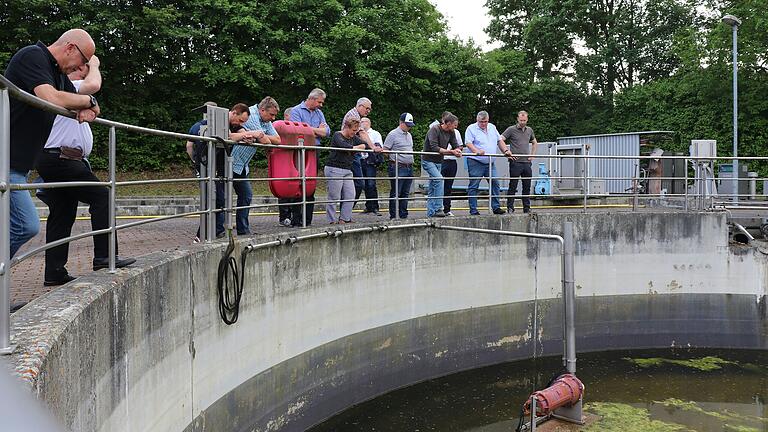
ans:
(85, 59)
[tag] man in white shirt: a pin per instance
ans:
(482, 138)
(65, 158)
(369, 163)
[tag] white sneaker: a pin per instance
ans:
(285, 222)
(449, 213)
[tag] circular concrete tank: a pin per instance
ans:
(330, 322)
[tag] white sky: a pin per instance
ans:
(466, 19)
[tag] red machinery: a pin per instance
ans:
(284, 163)
(565, 391)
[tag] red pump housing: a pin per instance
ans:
(285, 163)
(565, 391)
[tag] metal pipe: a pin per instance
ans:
(397, 187)
(302, 172)
(228, 192)
(743, 230)
(19, 258)
(112, 199)
(5, 234)
(569, 297)
(735, 115)
(210, 230)
(685, 185)
(533, 413)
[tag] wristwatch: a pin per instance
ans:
(93, 101)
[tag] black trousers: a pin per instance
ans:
(519, 169)
(62, 203)
(448, 170)
(295, 210)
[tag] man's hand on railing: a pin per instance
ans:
(88, 115)
(456, 152)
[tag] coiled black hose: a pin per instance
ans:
(230, 283)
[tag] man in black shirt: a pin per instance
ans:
(41, 70)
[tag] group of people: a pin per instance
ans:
(66, 73)
(349, 174)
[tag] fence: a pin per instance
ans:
(698, 192)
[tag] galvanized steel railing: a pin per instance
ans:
(207, 211)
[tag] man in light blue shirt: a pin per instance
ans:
(260, 124)
(482, 138)
(309, 112)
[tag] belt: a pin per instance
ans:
(68, 153)
(54, 150)
(400, 164)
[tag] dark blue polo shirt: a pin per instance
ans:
(30, 67)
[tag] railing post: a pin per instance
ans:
(112, 199)
(303, 173)
(397, 186)
(210, 232)
(5, 234)
(228, 191)
(585, 186)
(490, 184)
(685, 185)
(203, 186)
(636, 188)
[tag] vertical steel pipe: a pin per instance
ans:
(735, 115)
(685, 185)
(5, 215)
(490, 185)
(112, 198)
(569, 298)
(397, 187)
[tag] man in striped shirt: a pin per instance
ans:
(259, 123)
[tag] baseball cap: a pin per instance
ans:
(407, 118)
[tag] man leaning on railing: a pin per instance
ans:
(41, 70)
(65, 158)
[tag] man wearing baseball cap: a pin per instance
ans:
(400, 165)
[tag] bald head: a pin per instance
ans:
(73, 49)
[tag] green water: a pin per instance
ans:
(632, 391)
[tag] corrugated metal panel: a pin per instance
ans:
(610, 145)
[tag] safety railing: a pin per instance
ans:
(698, 191)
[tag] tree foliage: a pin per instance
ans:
(578, 66)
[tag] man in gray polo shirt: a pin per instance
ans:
(521, 141)
(400, 139)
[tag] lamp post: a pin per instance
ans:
(735, 23)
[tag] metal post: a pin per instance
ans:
(203, 185)
(397, 187)
(569, 298)
(636, 188)
(490, 185)
(210, 232)
(5, 234)
(735, 117)
(112, 200)
(533, 413)
(303, 173)
(586, 182)
(228, 191)
(685, 185)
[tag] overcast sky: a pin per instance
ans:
(467, 19)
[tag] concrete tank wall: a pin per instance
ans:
(328, 323)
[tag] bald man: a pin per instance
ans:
(42, 70)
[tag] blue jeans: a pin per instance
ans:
(403, 189)
(434, 187)
(25, 223)
(478, 171)
(371, 192)
(244, 197)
